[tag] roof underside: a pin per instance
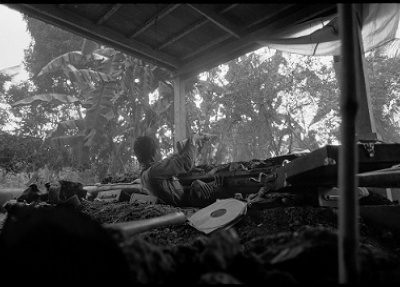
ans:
(184, 38)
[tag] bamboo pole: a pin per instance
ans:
(348, 161)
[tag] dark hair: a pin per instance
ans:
(145, 148)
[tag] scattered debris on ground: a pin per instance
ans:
(270, 244)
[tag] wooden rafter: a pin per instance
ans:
(214, 57)
(206, 46)
(190, 29)
(182, 34)
(269, 16)
(205, 56)
(225, 37)
(109, 13)
(217, 19)
(230, 7)
(164, 12)
(316, 12)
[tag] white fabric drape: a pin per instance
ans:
(319, 37)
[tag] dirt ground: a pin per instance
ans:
(276, 244)
(281, 240)
(287, 238)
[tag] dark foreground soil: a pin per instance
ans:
(279, 244)
(285, 244)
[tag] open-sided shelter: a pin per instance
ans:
(188, 39)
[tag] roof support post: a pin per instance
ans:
(180, 130)
(352, 79)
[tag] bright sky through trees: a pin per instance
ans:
(14, 37)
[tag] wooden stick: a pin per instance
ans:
(380, 178)
(134, 227)
(348, 213)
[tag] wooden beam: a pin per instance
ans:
(190, 29)
(229, 7)
(221, 60)
(225, 37)
(182, 34)
(348, 237)
(109, 13)
(269, 16)
(217, 19)
(164, 12)
(51, 14)
(206, 46)
(180, 131)
(213, 58)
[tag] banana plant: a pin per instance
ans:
(54, 98)
(111, 96)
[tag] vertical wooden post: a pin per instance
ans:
(351, 80)
(179, 131)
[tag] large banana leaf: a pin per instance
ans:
(52, 98)
(113, 65)
(106, 52)
(80, 152)
(94, 139)
(99, 116)
(73, 58)
(67, 140)
(322, 111)
(125, 116)
(101, 106)
(65, 126)
(98, 57)
(88, 47)
(119, 158)
(87, 75)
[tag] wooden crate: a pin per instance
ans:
(320, 167)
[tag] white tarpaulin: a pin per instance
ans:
(380, 25)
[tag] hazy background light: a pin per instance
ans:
(14, 39)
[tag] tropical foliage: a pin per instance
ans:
(385, 95)
(89, 103)
(266, 106)
(111, 104)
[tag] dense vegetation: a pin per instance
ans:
(85, 103)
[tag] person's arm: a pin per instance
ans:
(181, 162)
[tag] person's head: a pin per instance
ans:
(145, 149)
